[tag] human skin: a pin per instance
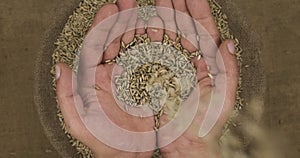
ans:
(188, 145)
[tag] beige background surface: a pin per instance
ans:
(24, 22)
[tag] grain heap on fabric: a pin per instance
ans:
(69, 42)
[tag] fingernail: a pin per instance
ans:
(57, 72)
(231, 47)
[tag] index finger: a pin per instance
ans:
(207, 31)
(200, 11)
(94, 44)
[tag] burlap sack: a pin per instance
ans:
(249, 102)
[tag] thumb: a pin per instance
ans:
(66, 90)
(231, 72)
(224, 92)
(228, 67)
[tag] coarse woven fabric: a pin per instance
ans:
(67, 33)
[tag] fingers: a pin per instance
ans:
(185, 26)
(94, 43)
(224, 92)
(112, 50)
(155, 29)
(93, 46)
(180, 6)
(126, 4)
(140, 27)
(125, 16)
(166, 12)
(230, 70)
(64, 82)
(206, 30)
(205, 26)
(200, 11)
(67, 97)
(106, 11)
(128, 36)
(199, 31)
(130, 29)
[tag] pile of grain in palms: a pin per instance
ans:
(71, 37)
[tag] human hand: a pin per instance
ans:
(222, 64)
(189, 144)
(74, 90)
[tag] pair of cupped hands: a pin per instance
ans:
(188, 145)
